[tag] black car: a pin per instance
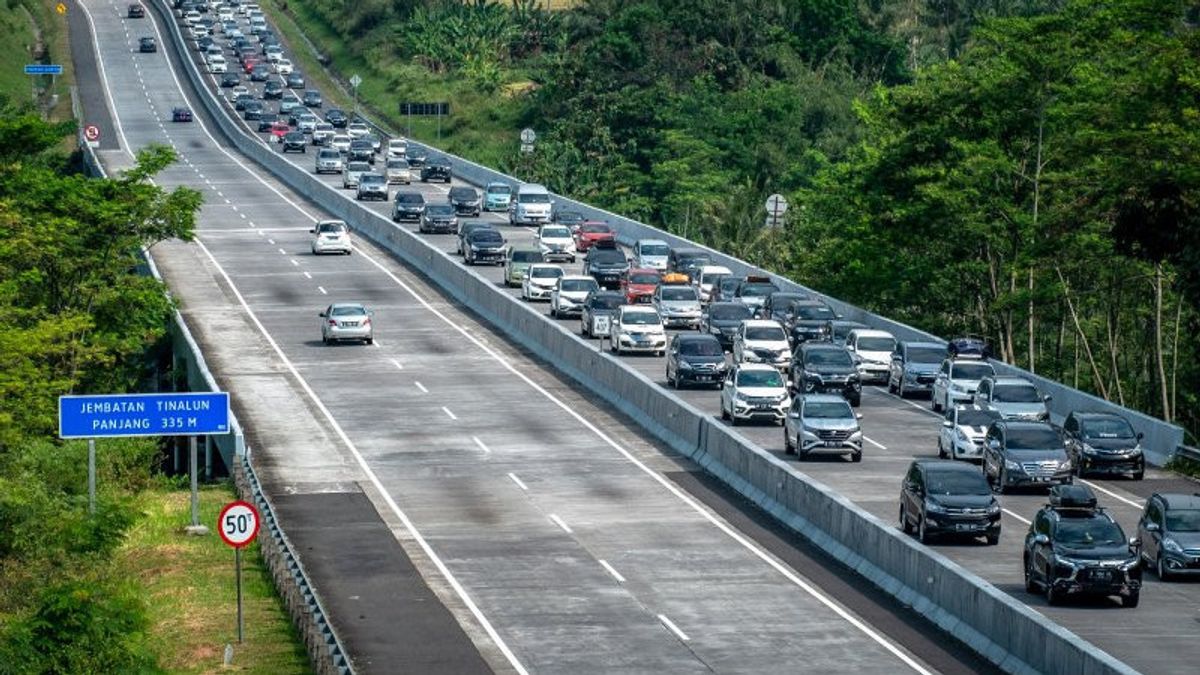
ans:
(408, 206)
(312, 98)
(260, 73)
(273, 89)
(484, 246)
(465, 228)
(1075, 549)
(808, 320)
(754, 290)
(230, 79)
(337, 118)
(823, 368)
(435, 169)
(687, 260)
(968, 346)
(572, 219)
(266, 121)
(204, 43)
(695, 358)
(836, 330)
(147, 45)
(439, 219)
(295, 80)
(724, 289)
(606, 264)
(181, 114)
(722, 320)
(1170, 532)
(293, 141)
(252, 111)
(1022, 453)
(465, 200)
(940, 497)
(136, 12)
(360, 151)
(1104, 443)
(239, 103)
(777, 306)
(417, 157)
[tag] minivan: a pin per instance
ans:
(532, 206)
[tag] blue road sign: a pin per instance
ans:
(116, 415)
(43, 69)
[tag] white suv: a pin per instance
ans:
(569, 293)
(762, 341)
(754, 391)
(872, 350)
(331, 236)
(637, 329)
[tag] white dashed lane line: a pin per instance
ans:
(518, 481)
(561, 523)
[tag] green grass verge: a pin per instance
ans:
(1184, 466)
(189, 589)
(15, 25)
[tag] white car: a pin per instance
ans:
(397, 148)
(754, 391)
(217, 65)
(567, 298)
(957, 381)
(198, 30)
(274, 53)
(706, 277)
(762, 341)
(322, 133)
(651, 254)
(236, 92)
(539, 281)
(331, 236)
(556, 243)
(637, 328)
(963, 431)
(872, 350)
(192, 17)
(341, 143)
(307, 123)
(283, 67)
(225, 14)
(357, 130)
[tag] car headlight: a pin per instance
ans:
(1171, 545)
(856, 436)
(1067, 562)
(1064, 464)
(1087, 449)
(1011, 465)
(815, 377)
(993, 508)
(684, 365)
(740, 396)
(962, 437)
(934, 507)
(811, 433)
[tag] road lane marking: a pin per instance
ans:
(397, 364)
(609, 568)
(420, 386)
(561, 523)
(282, 252)
(877, 444)
(270, 241)
(484, 448)
(323, 291)
(295, 262)
(449, 413)
(516, 480)
(1112, 494)
(307, 275)
(673, 628)
(1014, 515)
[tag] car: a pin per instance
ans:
(723, 319)
(372, 186)
(397, 147)
(517, 262)
(376, 144)
(1075, 549)
(331, 236)
(956, 382)
(591, 232)
(436, 169)
(346, 321)
(197, 31)
(822, 368)
(566, 300)
(360, 151)
(147, 45)
(181, 114)
(637, 328)
(485, 246)
(272, 52)
(914, 367)
(1169, 530)
(1104, 444)
(252, 110)
(651, 254)
(539, 280)
(809, 320)
(1020, 453)
(688, 260)
(638, 285)
(407, 205)
(306, 123)
(678, 304)
(465, 200)
(706, 277)
(337, 118)
(328, 161)
(272, 88)
(397, 171)
(358, 129)
(754, 392)
(1015, 397)
(598, 310)
(136, 11)
(241, 98)
(439, 219)
(872, 350)
(294, 79)
(963, 432)
(341, 143)
(555, 242)
(778, 306)
(293, 141)
(496, 197)
(259, 72)
(466, 227)
(191, 17)
(724, 287)
(822, 424)
(607, 264)
(753, 290)
(217, 65)
(417, 157)
(569, 219)
(230, 80)
(266, 121)
(951, 499)
(836, 330)
(352, 172)
(532, 205)
(762, 341)
(322, 134)
(968, 347)
(278, 130)
(695, 359)
(250, 64)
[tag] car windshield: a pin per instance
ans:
(579, 285)
(876, 344)
(410, 198)
(373, 178)
(759, 378)
(767, 333)
(331, 227)
(439, 210)
(926, 354)
(701, 348)
(595, 228)
(757, 290)
(977, 418)
(840, 331)
(828, 357)
(643, 278)
(1034, 438)
(641, 318)
(1107, 428)
(828, 410)
(606, 302)
(815, 313)
(1088, 532)
(729, 313)
(534, 198)
(1183, 520)
(499, 189)
(397, 164)
(527, 256)
(1016, 393)
(608, 257)
(486, 236)
(348, 310)
(727, 284)
(555, 233)
(546, 272)
(358, 166)
(957, 483)
(971, 371)
(329, 154)
(693, 259)
(655, 249)
(678, 294)
(463, 193)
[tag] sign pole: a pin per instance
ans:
(92, 475)
(237, 568)
(194, 468)
(238, 524)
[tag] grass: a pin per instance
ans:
(16, 25)
(1185, 466)
(189, 588)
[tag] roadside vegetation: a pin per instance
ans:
(1022, 169)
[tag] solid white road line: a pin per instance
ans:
(421, 387)
(1110, 493)
(615, 574)
(561, 523)
(295, 262)
(323, 291)
(516, 480)
(307, 275)
(1018, 517)
(449, 414)
(673, 628)
(877, 444)
(482, 447)
(397, 364)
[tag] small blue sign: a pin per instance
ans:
(116, 415)
(43, 69)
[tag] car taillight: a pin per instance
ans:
(367, 321)
(332, 322)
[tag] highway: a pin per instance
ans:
(1158, 637)
(558, 536)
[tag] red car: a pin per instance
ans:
(638, 285)
(248, 64)
(591, 232)
(279, 130)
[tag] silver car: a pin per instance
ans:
(352, 173)
(346, 322)
(963, 432)
(1015, 397)
(372, 186)
(956, 382)
(678, 305)
(397, 171)
(329, 161)
(822, 423)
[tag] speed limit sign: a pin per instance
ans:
(238, 523)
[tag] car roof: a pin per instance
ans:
(577, 277)
(761, 323)
(770, 369)
(696, 337)
(817, 398)
(821, 347)
(975, 407)
(933, 345)
(947, 465)
(1008, 379)
(552, 265)
(651, 241)
(644, 309)
(871, 332)
(1082, 415)
(643, 270)
(347, 304)
(1179, 500)
(715, 269)
(727, 303)
(1025, 424)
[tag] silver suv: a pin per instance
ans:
(329, 161)
(822, 423)
(372, 186)
(1015, 397)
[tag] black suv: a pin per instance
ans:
(337, 118)
(687, 260)
(1104, 443)
(820, 368)
(273, 89)
(293, 141)
(361, 151)
(408, 206)
(777, 306)
(947, 498)
(606, 264)
(1170, 532)
(809, 321)
(1017, 453)
(695, 359)
(722, 320)
(484, 246)
(435, 169)
(1075, 549)
(465, 200)
(147, 45)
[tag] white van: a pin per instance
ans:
(532, 205)
(216, 64)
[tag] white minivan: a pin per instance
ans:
(216, 64)
(532, 205)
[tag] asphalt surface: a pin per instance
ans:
(88, 82)
(544, 523)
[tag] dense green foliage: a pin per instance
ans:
(76, 317)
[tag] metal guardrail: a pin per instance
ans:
(1188, 452)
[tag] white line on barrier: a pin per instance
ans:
(270, 241)
(609, 568)
(673, 628)
(486, 450)
(282, 252)
(1112, 494)
(877, 444)
(561, 523)
(516, 480)
(420, 386)
(449, 413)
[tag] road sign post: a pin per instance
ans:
(238, 525)
(91, 475)
(91, 133)
(355, 80)
(193, 466)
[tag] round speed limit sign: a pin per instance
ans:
(238, 523)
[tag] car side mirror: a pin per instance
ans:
(1041, 539)
(1047, 398)
(1140, 435)
(727, 383)
(1152, 527)
(1135, 542)
(993, 444)
(312, 231)
(858, 416)
(794, 415)
(948, 424)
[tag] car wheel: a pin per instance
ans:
(856, 456)
(326, 340)
(1160, 568)
(733, 420)
(1030, 584)
(941, 449)
(1131, 600)
(923, 535)
(1002, 481)
(856, 401)
(788, 447)
(900, 391)
(553, 312)
(1053, 597)
(370, 341)
(934, 404)
(993, 539)
(1140, 473)
(891, 389)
